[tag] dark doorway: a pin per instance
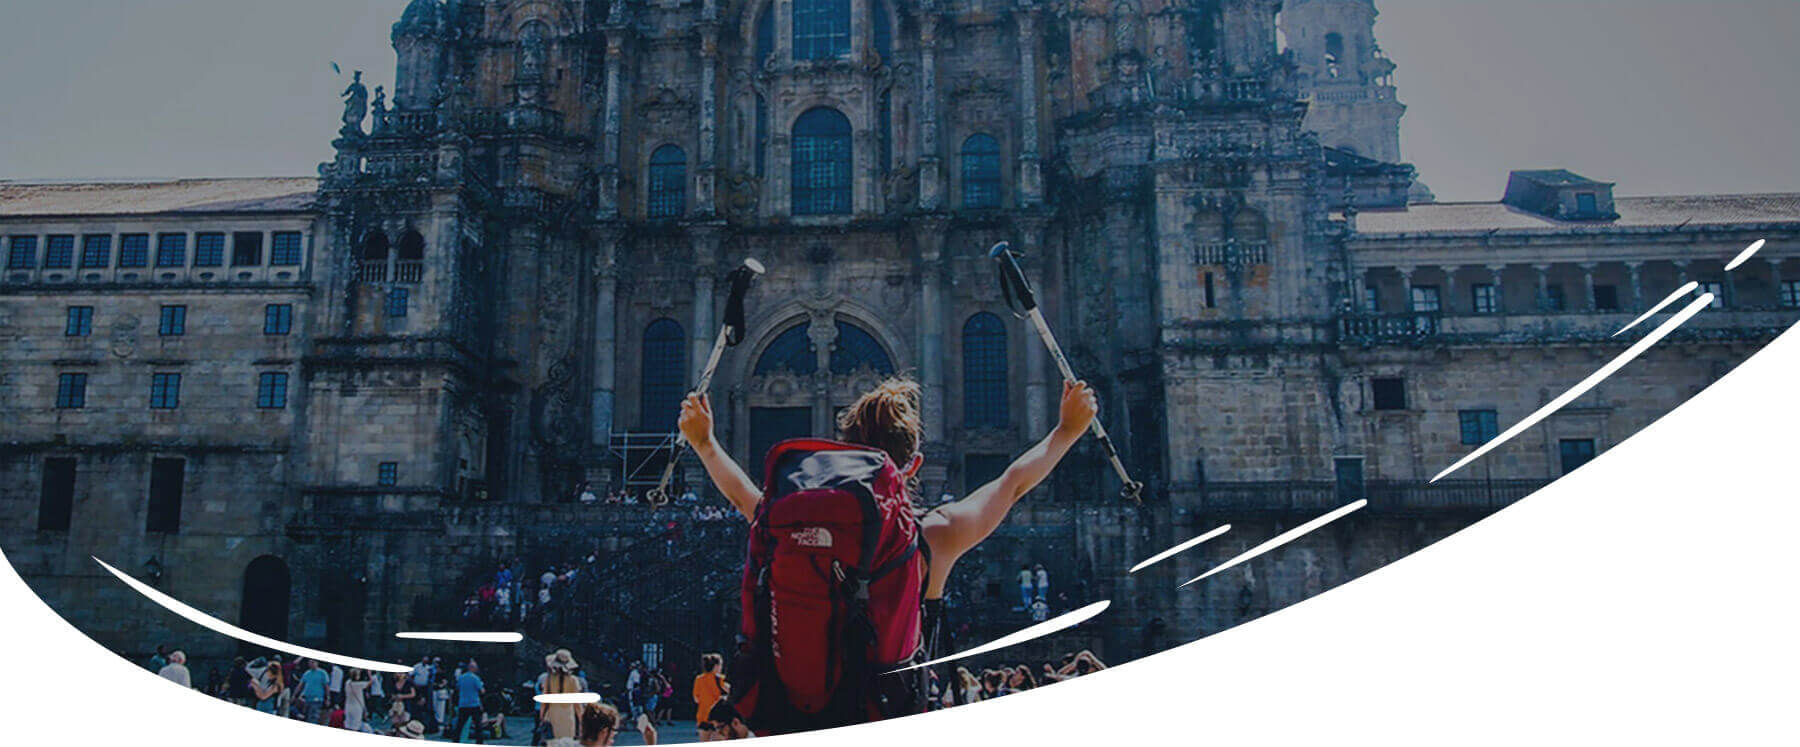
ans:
(770, 426)
(264, 610)
(1349, 478)
(345, 598)
(167, 477)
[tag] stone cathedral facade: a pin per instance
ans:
(511, 270)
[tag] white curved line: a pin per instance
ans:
(1053, 625)
(464, 637)
(1746, 254)
(220, 626)
(1178, 549)
(566, 698)
(1590, 382)
(1284, 538)
(1660, 305)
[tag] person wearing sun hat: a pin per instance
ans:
(411, 730)
(558, 679)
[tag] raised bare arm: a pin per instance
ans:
(697, 427)
(954, 528)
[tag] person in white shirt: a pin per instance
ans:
(176, 670)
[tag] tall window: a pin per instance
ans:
(1478, 426)
(209, 250)
(1425, 298)
(134, 250)
(21, 253)
(246, 249)
(171, 250)
(1484, 298)
(1372, 299)
(397, 299)
(1575, 452)
(882, 31)
(1790, 294)
(981, 172)
(271, 390)
(821, 163)
(80, 322)
(765, 33)
(1606, 298)
(284, 249)
(884, 119)
(165, 391)
(1334, 47)
(60, 254)
(762, 136)
(664, 374)
(1389, 392)
(163, 514)
(56, 498)
(856, 349)
(278, 319)
(1717, 289)
(668, 182)
(71, 391)
(791, 351)
(387, 474)
(96, 251)
(173, 322)
(1586, 204)
(985, 397)
(1554, 299)
(821, 29)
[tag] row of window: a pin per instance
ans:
(1475, 427)
(278, 319)
(59, 250)
(165, 390)
(162, 510)
(1484, 298)
(821, 29)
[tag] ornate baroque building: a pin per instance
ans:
(507, 277)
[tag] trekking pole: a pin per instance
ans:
(1024, 303)
(731, 332)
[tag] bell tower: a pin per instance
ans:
(1346, 77)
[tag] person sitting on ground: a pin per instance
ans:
(888, 419)
(410, 730)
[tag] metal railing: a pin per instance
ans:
(1383, 496)
(1412, 325)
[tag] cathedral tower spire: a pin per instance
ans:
(1345, 74)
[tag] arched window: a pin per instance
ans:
(665, 374)
(668, 182)
(821, 29)
(765, 33)
(375, 246)
(883, 30)
(884, 116)
(981, 172)
(791, 351)
(855, 349)
(821, 163)
(762, 135)
(985, 396)
(412, 247)
(1334, 47)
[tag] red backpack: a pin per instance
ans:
(832, 593)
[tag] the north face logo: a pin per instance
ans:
(812, 537)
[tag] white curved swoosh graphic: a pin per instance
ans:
(1055, 624)
(220, 626)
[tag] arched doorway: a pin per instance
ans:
(264, 606)
(804, 375)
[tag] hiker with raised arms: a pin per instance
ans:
(844, 582)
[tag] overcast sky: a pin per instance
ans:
(1662, 96)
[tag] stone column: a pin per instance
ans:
(1406, 295)
(1031, 181)
(1038, 374)
(605, 311)
(611, 120)
(1681, 277)
(1448, 299)
(1543, 287)
(1729, 291)
(706, 177)
(1636, 270)
(931, 187)
(932, 298)
(1775, 279)
(1587, 276)
(705, 242)
(1499, 290)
